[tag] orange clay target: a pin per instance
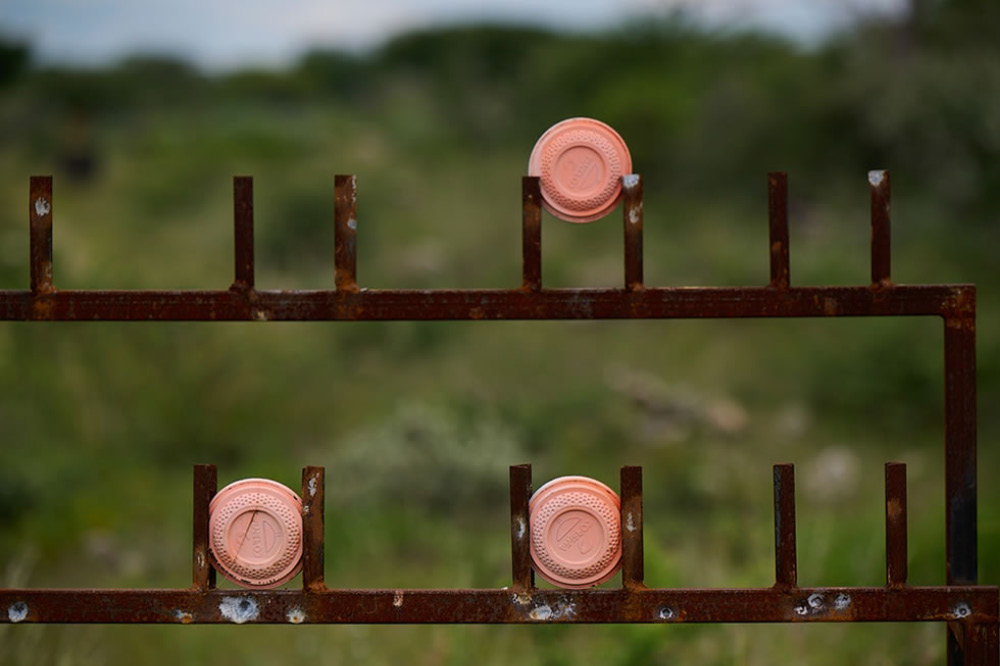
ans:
(575, 532)
(255, 533)
(580, 162)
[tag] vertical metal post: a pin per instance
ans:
(633, 573)
(632, 194)
(345, 213)
(205, 486)
(961, 543)
(895, 525)
(777, 214)
(880, 220)
(786, 568)
(531, 233)
(520, 528)
(313, 527)
(243, 232)
(982, 645)
(40, 216)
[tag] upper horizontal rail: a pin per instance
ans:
(952, 300)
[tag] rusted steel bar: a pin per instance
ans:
(40, 217)
(960, 447)
(633, 573)
(963, 605)
(520, 528)
(345, 213)
(881, 240)
(961, 542)
(895, 524)
(982, 646)
(785, 565)
(632, 196)
(243, 232)
(531, 233)
(777, 214)
(205, 485)
(477, 304)
(313, 527)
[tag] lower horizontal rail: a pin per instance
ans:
(467, 304)
(966, 604)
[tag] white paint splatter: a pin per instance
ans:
(630, 180)
(183, 617)
(842, 602)
(17, 611)
(397, 599)
(239, 609)
(630, 523)
(540, 613)
(522, 599)
(816, 601)
(962, 610)
(352, 224)
(546, 612)
(876, 177)
(296, 616)
(635, 214)
(42, 207)
(521, 527)
(312, 487)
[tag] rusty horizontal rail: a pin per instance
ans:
(487, 304)
(963, 604)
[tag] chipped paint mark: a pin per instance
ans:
(239, 609)
(184, 617)
(17, 612)
(801, 609)
(560, 610)
(42, 207)
(961, 610)
(635, 214)
(666, 613)
(842, 602)
(630, 179)
(816, 601)
(522, 599)
(312, 485)
(259, 314)
(352, 224)
(305, 509)
(629, 522)
(397, 599)
(540, 613)
(522, 527)
(200, 559)
(295, 616)
(876, 177)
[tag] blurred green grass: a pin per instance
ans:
(417, 422)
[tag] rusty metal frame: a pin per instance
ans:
(969, 610)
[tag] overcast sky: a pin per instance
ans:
(220, 34)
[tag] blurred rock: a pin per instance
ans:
(793, 421)
(672, 413)
(833, 475)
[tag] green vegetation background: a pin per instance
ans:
(416, 423)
